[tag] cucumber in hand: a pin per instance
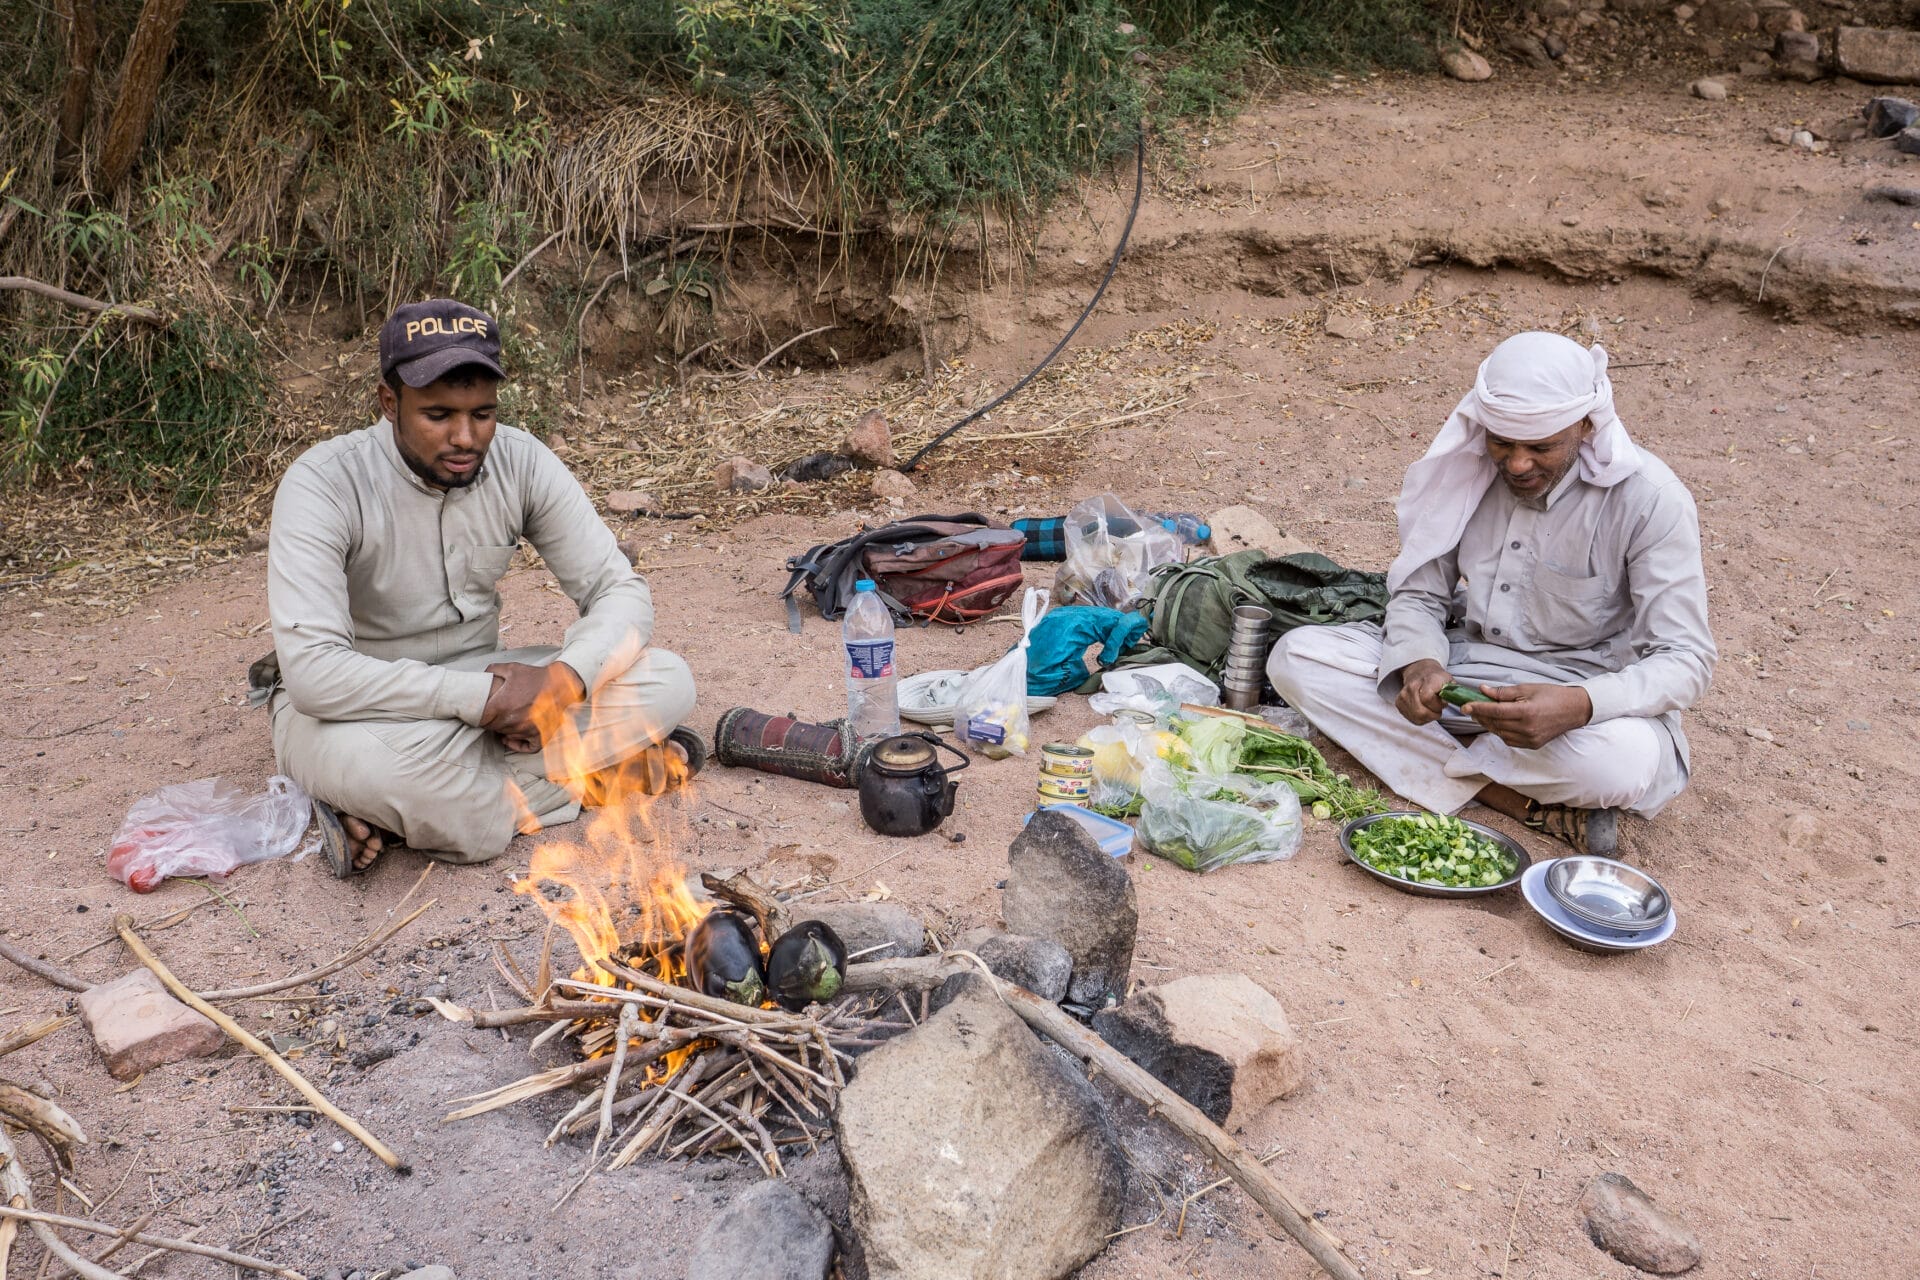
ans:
(1459, 695)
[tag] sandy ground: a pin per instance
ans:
(1468, 1071)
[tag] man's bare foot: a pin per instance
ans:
(365, 842)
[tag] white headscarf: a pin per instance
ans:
(1534, 385)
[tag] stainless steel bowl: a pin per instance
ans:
(1437, 890)
(1608, 894)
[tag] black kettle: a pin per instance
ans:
(904, 789)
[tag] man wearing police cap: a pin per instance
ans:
(394, 704)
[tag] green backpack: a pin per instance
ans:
(1190, 606)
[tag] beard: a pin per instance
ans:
(1536, 498)
(433, 475)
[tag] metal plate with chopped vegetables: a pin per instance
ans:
(1432, 854)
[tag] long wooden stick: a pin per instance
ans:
(40, 968)
(1060, 1026)
(25, 1036)
(15, 1187)
(85, 303)
(359, 951)
(141, 1237)
(124, 924)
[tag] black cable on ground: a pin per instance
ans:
(1139, 186)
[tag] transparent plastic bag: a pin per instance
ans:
(1111, 553)
(1204, 821)
(1121, 753)
(207, 827)
(1158, 690)
(991, 713)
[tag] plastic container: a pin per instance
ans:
(1115, 836)
(1186, 526)
(873, 682)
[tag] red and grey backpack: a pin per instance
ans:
(951, 569)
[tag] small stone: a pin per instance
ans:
(1803, 139)
(1907, 141)
(1860, 726)
(972, 1151)
(1776, 19)
(768, 1232)
(1242, 529)
(1720, 205)
(1802, 832)
(1465, 64)
(1041, 965)
(862, 925)
(893, 484)
(435, 1272)
(1351, 328)
(1355, 482)
(257, 540)
(1730, 15)
(1754, 69)
(1878, 56)
(1570, 220)
(1780, 134)
(870, 441)
(633, 502)
(741, 475)
(1622, 1220)
(1796, 56)
(1684, 12)
(138, 1025)
(1061, 886)
(1759, 734)
(1220, 1041)
(1887, 116)
(1710, 90)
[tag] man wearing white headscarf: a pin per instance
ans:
(1549, 564)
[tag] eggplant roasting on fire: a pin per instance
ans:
(723, 959)
(807, 965)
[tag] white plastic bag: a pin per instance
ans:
(207, 827)
(1157, 690)
(991, 713)
(1111, 553)
(1205, 821)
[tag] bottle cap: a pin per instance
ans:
(864, 584)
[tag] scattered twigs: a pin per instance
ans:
(532, 253)
(40, 968)
(17, 1193)
(623, 1034)
(57, 294)
(124, 924)
(359, 951)
(52, 1125)
(28, 1034)
(88, 1269)
(742, 892)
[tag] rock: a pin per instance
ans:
(1465, 64)
(138, 1025)
(1041, 965)
(815, 467)
(1878, 56)
(769, 1232)
(1907, 141)
(257, 540)
(870, 924)
(633, 502)
(1660, 197)
(1556, 47)
(1528, 48)
(1628, 1225)
(972, 1153)
(1710, 90)
(1730, 15)
(892, 484)
(1898, 195)
(1777, 18)
(870, 441)
(1845, 129)
(1759, 733)
(1243, 528)
(1220, 1041)
(1349, 327)
(1796, 56)
(1780, 134)
(1884, 117)
(741, 475)
(1635, 6)
(1684, 12)
(1061, 886)
(1804, 139)
(435, 1272)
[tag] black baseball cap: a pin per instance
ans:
(425, 341)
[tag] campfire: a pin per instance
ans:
(670, 1012)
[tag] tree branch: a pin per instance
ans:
(144, 314)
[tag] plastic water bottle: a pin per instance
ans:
(873, 694)
(1186, 526)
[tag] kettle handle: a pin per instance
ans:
(942, 743)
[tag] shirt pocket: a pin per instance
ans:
(1570, 612)
(485, 567)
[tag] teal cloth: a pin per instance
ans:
(1056, 653)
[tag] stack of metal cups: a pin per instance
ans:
(1246, 671)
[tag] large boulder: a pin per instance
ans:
(1220, 1041)
(1622, 1220)
(867, 925)
(1061, 886)
(972, 1154)
(768, 1233)
(1878, 56)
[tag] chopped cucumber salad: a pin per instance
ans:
(1430, 848)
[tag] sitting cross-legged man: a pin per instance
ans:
(393, 703)
(1550, 565)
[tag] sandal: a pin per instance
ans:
(333, 840)
(694, 745)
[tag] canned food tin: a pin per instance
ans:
(1072, 790)
(1064, 760)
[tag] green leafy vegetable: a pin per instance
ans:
(1268, 753)
(1216, 743)
(1431, 848)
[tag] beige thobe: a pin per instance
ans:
(1602, 588)
(383, 592)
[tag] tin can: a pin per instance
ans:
(1128, 716)
(1058, 790)
(1064, 760)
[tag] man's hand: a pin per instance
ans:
(1420, 685)
(527, 702)
(1531, 715)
